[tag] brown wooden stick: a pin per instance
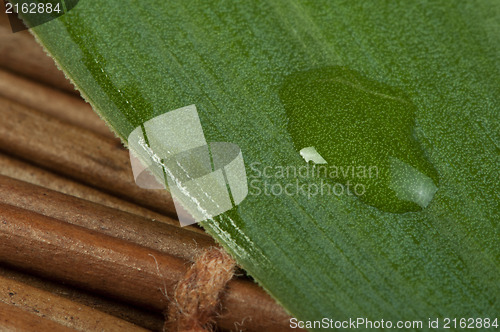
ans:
(53, 102)
(87, 258)
(17, 169)
(124, 270)
(144, 318)
(13, 319)
(76, 153)
(59, 310)
(159, 236)
(20, 53)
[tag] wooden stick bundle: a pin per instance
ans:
(21, 54)
(176, 241)
(52, 102)
(76, 153)
(152, 321)
(17, 169)
(57, 309)
(117, 268)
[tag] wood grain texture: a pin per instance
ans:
(121, 269)
(18, 169)
(148, 319)
(13, 319)
(21, 54)
(63, 106)
(172, 240)
(59, 309)
(74, 152)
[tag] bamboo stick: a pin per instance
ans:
(107, 265)
(147, 319)
(159, 236)
(20, 53)
(76, 153)
(17, 169)
(52, 102)
(60, 310)
(13, 319)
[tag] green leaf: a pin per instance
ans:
(327, 255)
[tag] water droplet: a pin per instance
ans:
(310, 154)
(364, 131)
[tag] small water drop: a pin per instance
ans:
(362, 131)
(411, 185)
(310, 154)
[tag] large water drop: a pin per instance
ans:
(362, 130)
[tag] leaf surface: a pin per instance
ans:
(327, 255)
